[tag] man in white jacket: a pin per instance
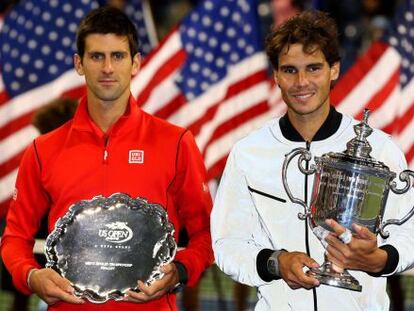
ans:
(258, 238)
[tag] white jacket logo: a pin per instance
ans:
(117, 232)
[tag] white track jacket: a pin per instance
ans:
(244, 222)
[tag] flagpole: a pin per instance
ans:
(149, 23)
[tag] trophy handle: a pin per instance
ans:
(405, 177)
(305, 155)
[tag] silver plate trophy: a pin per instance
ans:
(105, 245)
(349, 187)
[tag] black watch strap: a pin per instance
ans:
(182, 277)
(182, 272)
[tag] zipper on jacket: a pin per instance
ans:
(105, 153)
(315, 298)
(306, 201)
(105, 165)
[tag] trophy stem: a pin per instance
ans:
(328, 276)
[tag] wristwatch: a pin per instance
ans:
(182, 277)
(273, 263)
(178, 288)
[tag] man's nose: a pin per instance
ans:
(302, 78)
(107, 65)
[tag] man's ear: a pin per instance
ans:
(77, 62)
(275, 78)
(335, 69)
(136, 64)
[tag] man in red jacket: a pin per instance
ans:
(91, 155)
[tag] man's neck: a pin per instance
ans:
(308, 125)
(105, 114)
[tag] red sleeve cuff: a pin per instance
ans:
(20, 279)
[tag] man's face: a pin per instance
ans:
(107, 66)
(305, 79)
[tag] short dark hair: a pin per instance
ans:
(313, 29)
(105, 20)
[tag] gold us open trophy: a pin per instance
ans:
(349, 187)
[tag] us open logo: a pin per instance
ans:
(136, 156)
(116, 232)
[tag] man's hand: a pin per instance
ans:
(362, 253)
(291, 270)
(51, 287)
(157, 288)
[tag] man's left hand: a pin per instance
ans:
(361, 253)
(158, 288)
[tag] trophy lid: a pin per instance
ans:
(359, 146)
(358, 149)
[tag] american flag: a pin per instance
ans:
(210, 74)
(382, 80)
(36, 67)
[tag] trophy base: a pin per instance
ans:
(328, 276)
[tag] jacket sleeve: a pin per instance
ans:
(23, 220)
(193, 199)
(398, 205)
(236, 231)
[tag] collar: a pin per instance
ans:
(328, 128)
(83, 122)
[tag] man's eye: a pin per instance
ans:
(314, 68)
(289, 70)
(96, 56)
(118, 56)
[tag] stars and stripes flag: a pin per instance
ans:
(36, 67)
(382, 80)
(210, 74)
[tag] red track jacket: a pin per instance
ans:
(78, 161)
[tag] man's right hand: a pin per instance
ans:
(291, 270)
(51, 287)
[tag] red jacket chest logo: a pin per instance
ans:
(136, 157)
